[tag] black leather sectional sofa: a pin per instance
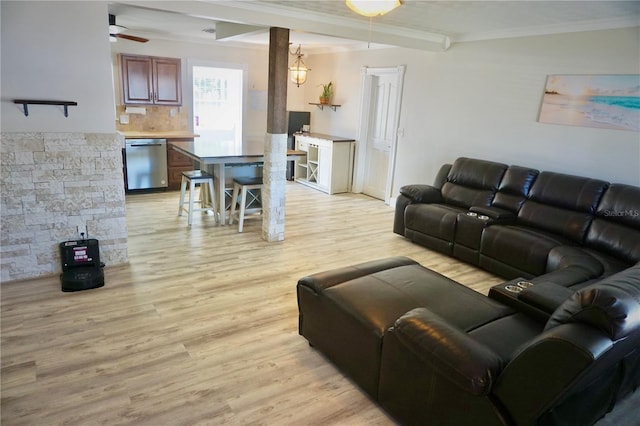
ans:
(558, 231)
(556, 344)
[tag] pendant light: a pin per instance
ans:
(298, 72)
(372, 8)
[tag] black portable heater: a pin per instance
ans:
(81, 267)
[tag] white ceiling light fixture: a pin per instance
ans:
(114, 28)
(298, 72)
(371, 8)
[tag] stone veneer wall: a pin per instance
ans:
(274, 189)
(53, 183)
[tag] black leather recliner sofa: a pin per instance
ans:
(431, 351)
(561, 231)
(557, 344)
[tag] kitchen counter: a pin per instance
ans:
(325, 137)
(167, 134)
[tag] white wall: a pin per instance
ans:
(481, 99)
(56, 51)
(59, 175)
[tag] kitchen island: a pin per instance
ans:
(215, 156)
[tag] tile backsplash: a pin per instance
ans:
(157, 118)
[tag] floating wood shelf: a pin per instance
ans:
(321, 106)
(26, 102)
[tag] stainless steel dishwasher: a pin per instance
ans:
(146, 163)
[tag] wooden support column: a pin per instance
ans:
(275, 144)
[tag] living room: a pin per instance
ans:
(478, 99)
(481, 99)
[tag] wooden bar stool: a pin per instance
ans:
(207, 203)
(242, 186)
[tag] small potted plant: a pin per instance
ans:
(327, 93)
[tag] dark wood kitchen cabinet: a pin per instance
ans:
(150, 80)
(177, 163)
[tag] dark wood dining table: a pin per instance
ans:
(213, 156)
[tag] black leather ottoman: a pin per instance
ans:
(345, 312)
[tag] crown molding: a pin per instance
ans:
(592, 25)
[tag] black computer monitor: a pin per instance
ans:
(297, 119)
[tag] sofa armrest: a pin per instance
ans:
(546, 296)
(552, 366)
(495, 213)
(322, 280)
(451, 352)
(563, 257)
(566, 277)
(398, 216)
(421, 193)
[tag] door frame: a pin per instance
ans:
(364, 124)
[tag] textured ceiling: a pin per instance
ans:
(415, 24)
(477, 19)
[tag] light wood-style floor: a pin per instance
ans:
(201, 326)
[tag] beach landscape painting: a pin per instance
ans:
(604, 101)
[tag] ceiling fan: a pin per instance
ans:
(115, 32)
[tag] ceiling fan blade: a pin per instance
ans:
(132, 38)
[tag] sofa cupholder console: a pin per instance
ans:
(469, 228)
(519, 286)
(517, 294)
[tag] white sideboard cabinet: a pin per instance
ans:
(328, 166)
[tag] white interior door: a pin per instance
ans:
(217, 103)
(382, 129)
(382, 91)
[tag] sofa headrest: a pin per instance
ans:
(474, 173)
(621, 203)
(518, 180)
(514, 187)
(611, 305)
(568, 191)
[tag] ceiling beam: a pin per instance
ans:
(229, 30)
(255, 13)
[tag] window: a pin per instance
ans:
(217, 103)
